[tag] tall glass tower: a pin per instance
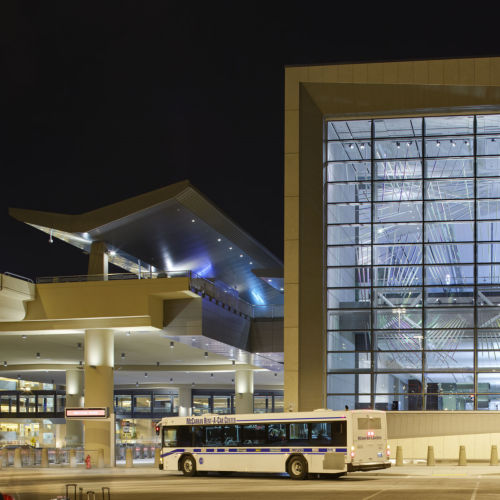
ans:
(412, 223)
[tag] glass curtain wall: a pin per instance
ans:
(412, 219)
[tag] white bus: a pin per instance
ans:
(315, 442)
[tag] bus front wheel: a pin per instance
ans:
(297, 467)
(188, 466)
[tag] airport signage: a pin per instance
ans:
(86, 413)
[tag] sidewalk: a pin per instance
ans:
(473, 469)
(70, 474)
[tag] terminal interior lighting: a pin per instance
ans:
(37, 355)
(206, 355)
(5, 363)
(172, 345)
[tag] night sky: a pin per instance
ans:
(102, 101)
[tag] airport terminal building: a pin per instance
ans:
(392, 235)
(181, 312)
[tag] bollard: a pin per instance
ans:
(32, 457)
(72, 458)
(129, 459)
(494, 455)
(399, 456)
(4, 458)
(100, 458)
(17, 458)
(157, 457)
(44, 462)
(462, 459)
(430, 456)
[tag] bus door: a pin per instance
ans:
(369, 438)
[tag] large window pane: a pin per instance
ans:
(449, 146)
(398, 341)
(398, 276)
(349, 383)
(439, 232)
(402, 383)
(449, 253)
(449, 189)
(398, 169)
(398, 191)
(348, 256)
(348, 276)
(449, 340)
(346, 298)
(409, 148)
(397, 254)
(398, 318)
(397, 233)
(398, 402)
(488, 167)
(354, 234)
(447, 168)
(349, 320)
(350, 150)
(349, 213)
(488, 209)
(446, 318)
(397, 297)
(488, 145)
(398, 127)
(449, 360)
(439, 296)
(448, 125)
(352, 129)
(449, 210)
(398, 212)
(340, 361)
(398, 360)
(449, 382)
(449, 275)
(349, 192)
(349, 341)
(349, 171)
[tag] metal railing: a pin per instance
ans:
(18, 276)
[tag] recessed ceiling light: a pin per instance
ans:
(146, 374)
(241, 255)
(24, 337)
(37, 355)
(219, 239)
(251, 263)
(5, 363)
(123, 355)
(230, 248)
(192, 220)
(206, 355)
(172, 345)
(112, 253)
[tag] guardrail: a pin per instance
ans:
(18, 276)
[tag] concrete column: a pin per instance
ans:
(99, 362)
(98, 259)
(243, 391)
(74, 399)
(185, 401)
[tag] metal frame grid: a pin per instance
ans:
(412, 267)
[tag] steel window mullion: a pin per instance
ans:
(373, 379)
(475, 305)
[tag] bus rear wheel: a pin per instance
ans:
(188, 466)
(297, 467)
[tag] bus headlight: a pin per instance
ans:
(388, 451)
(353, 451)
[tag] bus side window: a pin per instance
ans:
(253, 434)
(321, 433)
(298, 433)
(231, 435)
(276, 433)
(184, 436)
(199, 436)
(169, 437)
(339, 434)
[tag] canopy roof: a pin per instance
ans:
(174, 228)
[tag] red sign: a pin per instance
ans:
(84, 413)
